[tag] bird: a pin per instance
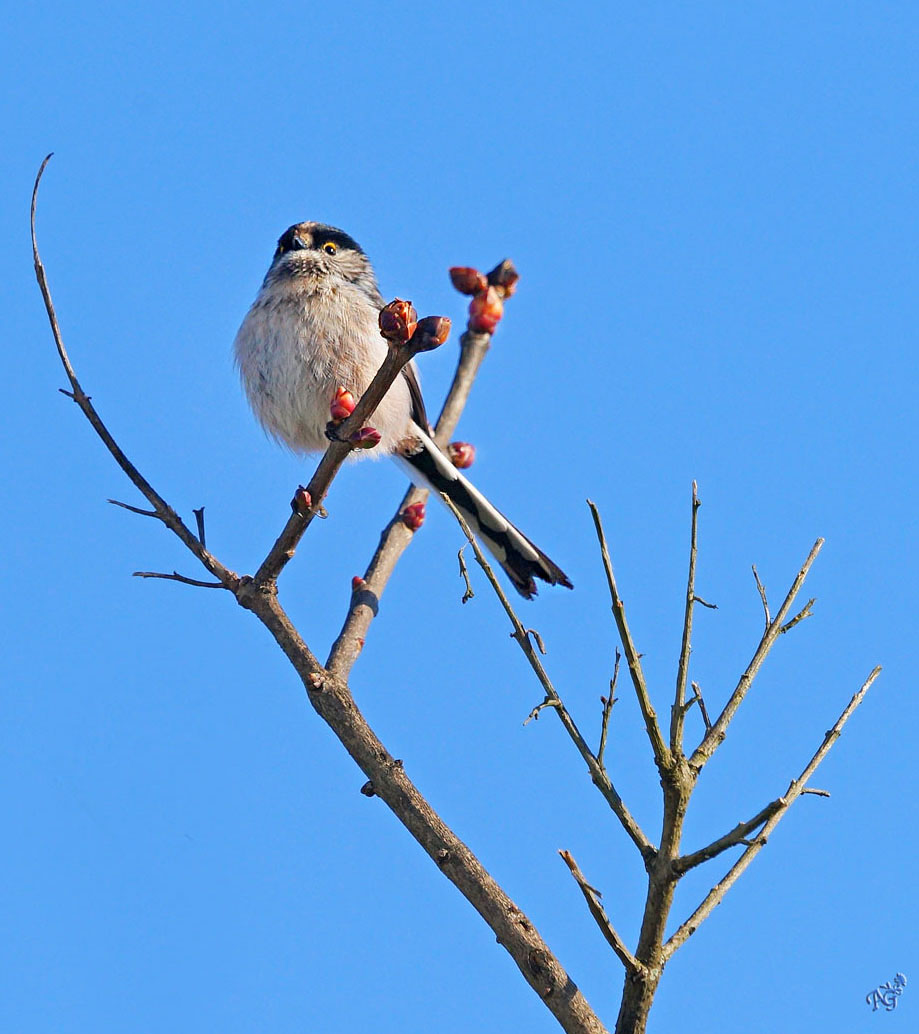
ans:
(313, 329)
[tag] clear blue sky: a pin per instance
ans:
(713, 209)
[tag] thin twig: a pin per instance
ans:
(592, 897)
(816, 792)
(534, 714)
(662, 756)
(607, 710)
(537, 638)
(762, 595)
(134, 509)
(715, 735)
(199, 519)
(697, 693)
(598, 776)
(468, 594)
(678, 712)
(176, 577)
(795, 789)
(804, 612)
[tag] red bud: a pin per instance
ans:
(431, 332)
(301, 502)
(398, 320)
(365, 438)
(504, 277)
(485, 311)
(357, 583)
(342, 406)
(468, 280)
(413, 516)
(462, 454)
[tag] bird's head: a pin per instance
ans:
(323, 256)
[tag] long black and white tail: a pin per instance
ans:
(522, 561)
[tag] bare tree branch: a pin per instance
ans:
(678, 712)
(598, 775)
(716, 734)
(662, 756)
(592, 897)
(396, 536)
(795, 789)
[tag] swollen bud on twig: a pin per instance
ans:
(413, 516)
(398, 321)
(431, 332)
(462, 454)
(468, 280)
(365, 438)
(504, 278)
(342, 406)
(485, 311)
(357, 583)
(301, 502)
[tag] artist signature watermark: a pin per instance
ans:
(887, 994)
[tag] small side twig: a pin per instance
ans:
(176, 577)
(592, 897)
(697, 693)
(805, 612)
(199, 520)
(607, 710)
(761, 589)
(135, 509)
(537, 638)
(469, 593)
(534, 714)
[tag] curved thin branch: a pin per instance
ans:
(161, 508)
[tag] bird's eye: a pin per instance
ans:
(330, 247)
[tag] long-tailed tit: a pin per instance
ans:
(313, 328)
